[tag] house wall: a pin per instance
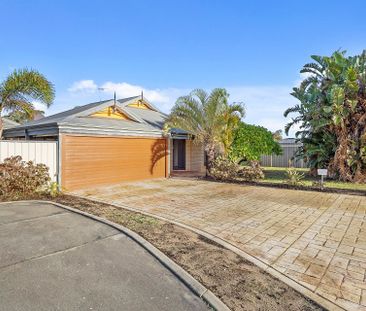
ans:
(197, 157)
(88, 161)
(194, 156)
(188, 155)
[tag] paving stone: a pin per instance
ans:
(339, 262)
(363, 298)
(349, 305)
(315, 270)
(316, 239)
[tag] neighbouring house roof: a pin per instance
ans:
(7, 123)
(79, 120)
(289, 141)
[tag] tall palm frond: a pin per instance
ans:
(208, 117)
(21, 89)
(331, 115)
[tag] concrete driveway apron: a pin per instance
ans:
(53, 259)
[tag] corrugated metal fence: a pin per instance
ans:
(37, 151)
(288, 151)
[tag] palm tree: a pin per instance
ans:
(208, 117)
(22, 117)
(332, 115)
(20, 89)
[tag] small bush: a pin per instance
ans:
(294, 177)
(53, 189)
(318, 184)
(21, 179)
(251, 172)
(224, 169)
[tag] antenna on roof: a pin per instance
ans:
(114, 97)
(100, 89)
(140, 101)
(114, 101)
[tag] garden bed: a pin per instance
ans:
(237, 282)
(275, 177)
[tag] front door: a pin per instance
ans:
(179, 154)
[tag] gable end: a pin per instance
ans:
(139, 104)
(111, 113)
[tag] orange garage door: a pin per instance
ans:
(89, 161)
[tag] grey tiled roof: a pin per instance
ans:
(142, 119)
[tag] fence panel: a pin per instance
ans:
(37, 151)
(282, 160)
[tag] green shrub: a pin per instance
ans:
(252, 141)
(21, 179)
(294, 177)
(251, 172)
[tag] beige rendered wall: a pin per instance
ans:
(197, 157)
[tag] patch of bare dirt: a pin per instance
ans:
(237, 282)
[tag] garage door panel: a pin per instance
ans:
(90, 161)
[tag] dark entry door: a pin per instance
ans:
(179, 154)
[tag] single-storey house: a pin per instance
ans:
(7, 123)
(113, 141)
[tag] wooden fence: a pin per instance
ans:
(45, 152)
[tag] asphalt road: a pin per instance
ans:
(53, 259)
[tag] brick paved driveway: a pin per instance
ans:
(316, 239)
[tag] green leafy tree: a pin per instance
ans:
(20, 89)
(332, 115)
(252, 141)
(209, 117)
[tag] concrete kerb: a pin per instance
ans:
(196, 287)
(322, 301)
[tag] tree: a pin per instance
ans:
(20, 89)
(252, 141)
(332, 115)
(277, 135)
(209, 118)
(22, 117)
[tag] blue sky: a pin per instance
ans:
(253, 48)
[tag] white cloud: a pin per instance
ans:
(39, 106)
(124, 89)
(83, 86)
(164, 98)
